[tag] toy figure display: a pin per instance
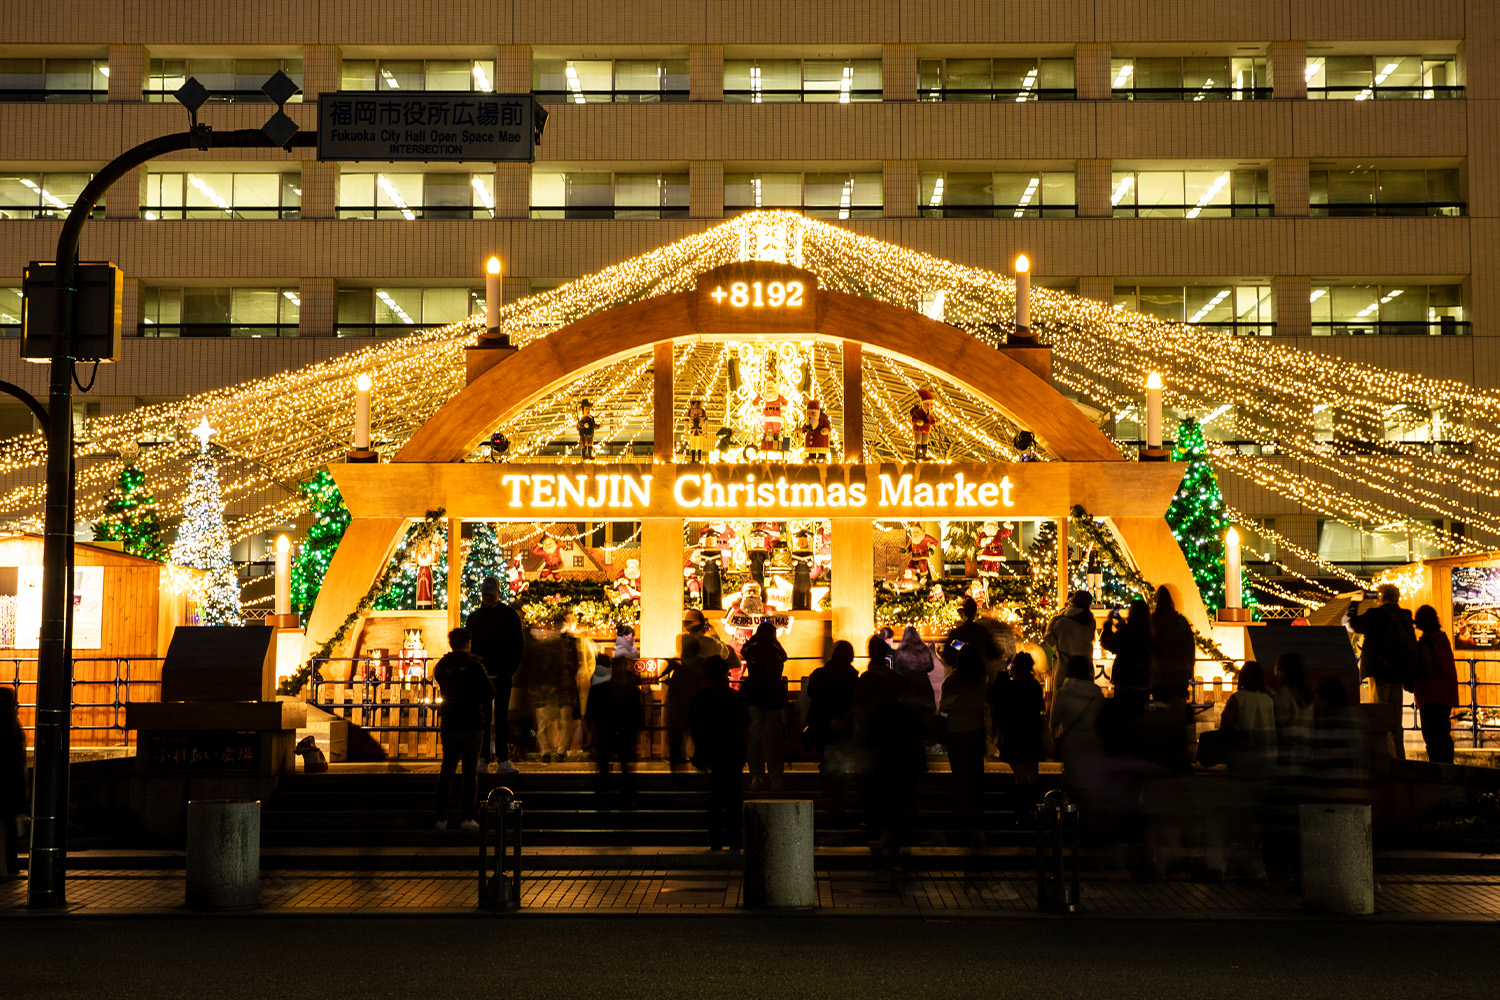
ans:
(816, 433)
(920, 549)
(586, 427)
(695, 428)
(803, 557)
(745, 612)
(709, 559)
(552, 558)
(992, 549)
(424, 580)
(758, 545)
(723, 441)
(626, 588)
(923, 420)
(771, 439)
(1096, 575)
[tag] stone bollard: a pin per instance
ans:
(1338, 859)
(779, 854)
(223, 855)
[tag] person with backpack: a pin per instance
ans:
(1388, 656)
(466, 691)
(1436, 686)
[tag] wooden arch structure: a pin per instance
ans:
(428, 472)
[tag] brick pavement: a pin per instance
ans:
(933, 894)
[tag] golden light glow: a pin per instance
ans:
(493, 267)
(1022, 264)
(283, 543)
(1232, 537)
(364, 382)
(1153, 381)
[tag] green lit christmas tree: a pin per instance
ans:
(419, 542)
(330, 519)
(1197, 517)
(130, 517)
(484, 558)
(203, 541)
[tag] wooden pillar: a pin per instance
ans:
(854, 403)
(1062, 562)
(664, 420)
(455, 572)
(661, 586)
(853, 570)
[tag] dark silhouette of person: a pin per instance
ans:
(13, 804)
(1436, 687)
(830, 695)
(719, 721)
(764, 691)
(1129, 638)
(891, 734)
(962, 705)
(1019, 710)
(466, 690)
(617, 716)
(498, 639)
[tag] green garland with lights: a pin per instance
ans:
(315, 552)
(1198, 518)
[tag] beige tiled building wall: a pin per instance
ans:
(1091, 136)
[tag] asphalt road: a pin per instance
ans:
(824, 957)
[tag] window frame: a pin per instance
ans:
(800, 95)
(153, 93)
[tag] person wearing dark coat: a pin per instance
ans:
(617, 716)
(830, 693)
(1019, 709)
(1387, 657)
(719, 722)
(1173, 652)
(764, 691)
(498, 640)
(684, 678)
(962, 706)
(13, 803)
(969, 632)
(1436, 688)
(466, 690)
(891, 734)
(1129, 638)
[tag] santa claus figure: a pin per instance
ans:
(626, 588)
(992, 549)
(551, 556)
(770, 412)
(816, 432)
(923, 420)
(921, 549)
(745, 612)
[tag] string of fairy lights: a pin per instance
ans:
(1316, 413)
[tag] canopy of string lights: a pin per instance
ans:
(1307, 426)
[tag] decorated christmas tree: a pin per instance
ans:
(1198, 519)
(423, 541)
(330, 518)
(203, 542)
(1041, 585)
(130, 517)
(484, 558)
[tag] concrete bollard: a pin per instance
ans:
(779, 854)
(1338, 859)
(223, 855)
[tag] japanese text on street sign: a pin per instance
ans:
(458, 126)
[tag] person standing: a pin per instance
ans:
(617, 715)
(1173, 652)
(1129, 638)
(1072, 633)
(498, 639)
(914, 663)
(12, 780)
(1076, 705)
(969, 632)
(1249, 722)
(684, 678)
(962, 705)
(1020, 712)
(1295, 717)
(719, 720)
(830, 696)
(1388, 656)
(764, 692)
(890, 733)
(466, 690)
(1436, 687)
(551, 687)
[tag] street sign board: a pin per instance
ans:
(96, 312)
(429, 125)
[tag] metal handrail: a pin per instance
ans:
(609, 211)
(121, 687)
(378, 213)
(998, 211)
(803, 96)
(1220, 211)
(1393, 92)
(1191, 93)
(1392, 328)
(201, 213)
(1394, 209)
(977, 95)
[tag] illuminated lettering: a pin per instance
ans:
(597, 500)
(922, 495)
(614, 490)
(856, 494)
(759, 295)
(571, 490)
(515, 482)
(637, 492)
(835, 495)
(541, 491)
(893, 495)
(965, 491)
(713, 493)
(1005, 488)
(989, 494)
(943, 490)
(766, 494)
(680, 496)
(781, 491)
(734, 491)
(810, 495)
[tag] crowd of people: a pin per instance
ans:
(1124, 748)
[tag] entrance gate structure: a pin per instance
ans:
(729, 303)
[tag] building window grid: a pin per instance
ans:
(1241, 309)
(222, 195)
(1013, 80)
(1381, 77)
(825, 81)
(220, 312)
(43, 195)
(609, 195)
(1190, 194)
(998, 195)
(1194, 78)
(227, 80)
(411, 196)
(11, 305)
(830, 195)
(610, 81)
(471, 75)
(54, 80)
(391, 312)
(1384, 192)
(1388, 310)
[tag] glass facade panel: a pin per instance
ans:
(357, 74)
(205, 306)
(1205, 74)
(1163, 302)
(23, 74)
(398, 306)
(1159, 194)
(441, 306)
(449, 74)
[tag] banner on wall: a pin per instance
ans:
(88, 608)
(1476, 607)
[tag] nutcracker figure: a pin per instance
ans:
(709, 559)
(695, 427)
(803, 557)
(923, 420)
(586, 428)
(816, 432)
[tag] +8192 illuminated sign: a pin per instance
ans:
(757, 297)
(760, 294)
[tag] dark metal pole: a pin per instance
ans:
(47, 869)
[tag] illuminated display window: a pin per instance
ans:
(834, 195)
(1190, 194)
(609, 81)
(1196, 78)
(956, 194)
(474, 75)
(828, 81)
(386, 195)
(1018, 80)
(222, 195)
(1366, 78)
(229, 80)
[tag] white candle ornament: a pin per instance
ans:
(283, 575)
(1023, 296)
(362, 413)
(1232, 595)
(492, 296)
(1153, 411)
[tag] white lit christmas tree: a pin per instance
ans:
(203, 541)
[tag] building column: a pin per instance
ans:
(512, 69)
(853, 591)
(322, 71)
(706, 189)
(661, 585)
(127, 73)
(126, 195)
(320, 189)
(130, 307)
(1062, 562)
(854, 403)
(1091, 70)
(1091, 186)
(1099, 288)
(1289, 297)
(1288, 67)
(663, 417)
(899, 188)
(319, 312)
(455, 572)
(706, 73)
(898, 73)
(1289, 187)
(512, 190)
